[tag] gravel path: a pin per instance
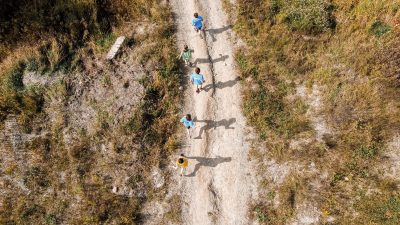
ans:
(218, 185)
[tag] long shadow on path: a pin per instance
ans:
(208, 162)
(221, 85)
(215, 31)
(221, 58)
(214, 124)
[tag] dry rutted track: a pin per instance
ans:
(218, 185)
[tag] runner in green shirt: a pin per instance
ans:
(186, 55)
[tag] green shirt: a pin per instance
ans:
(187, 55)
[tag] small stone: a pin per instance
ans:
(115, 189)
(330, 219)
(158, 179)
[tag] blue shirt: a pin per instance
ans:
(198, 22)
(197, 79)
(187, 123)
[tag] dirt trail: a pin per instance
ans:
(218, 185)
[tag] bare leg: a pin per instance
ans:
(182, 171)
(188, 132)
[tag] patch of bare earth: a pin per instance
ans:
(219, 184)
(90, 107)
(306, 211)
(392, 153)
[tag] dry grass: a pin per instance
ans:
(349, 50)
(70, 169)
(174, 215)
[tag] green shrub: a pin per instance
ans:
(261, 216)
(51, 219)
(32, 64)
(379, 209)
(106, 41)
(368, 151)
(15, 77)
(16, 99)
(311, 16)
(379, 28)
(36, 177)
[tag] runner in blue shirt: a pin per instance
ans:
(197, 79)
(188, 123)
(197, 23)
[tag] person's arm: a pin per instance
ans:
(202, 21)
(180, 55)
(191, 79)
(182, 120)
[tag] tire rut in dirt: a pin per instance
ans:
(215, 200)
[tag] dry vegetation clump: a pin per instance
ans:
(324, 69)
(81, 138)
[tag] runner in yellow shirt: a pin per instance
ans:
(182, 163)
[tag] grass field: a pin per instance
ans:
(321, 88)
(88, 153)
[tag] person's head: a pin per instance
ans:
(197, 70)
(196, 15)
(180, 160)
(189, 118)
(186, 48)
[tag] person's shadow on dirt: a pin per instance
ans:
(214, 124)
(221, 58)
(209, 162)
(222, 85)
(213, 32)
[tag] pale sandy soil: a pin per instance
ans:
(218, 184)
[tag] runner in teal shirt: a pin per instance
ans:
(197, 79)
(188, 123)
(197, 22)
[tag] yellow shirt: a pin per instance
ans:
(184, 164)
